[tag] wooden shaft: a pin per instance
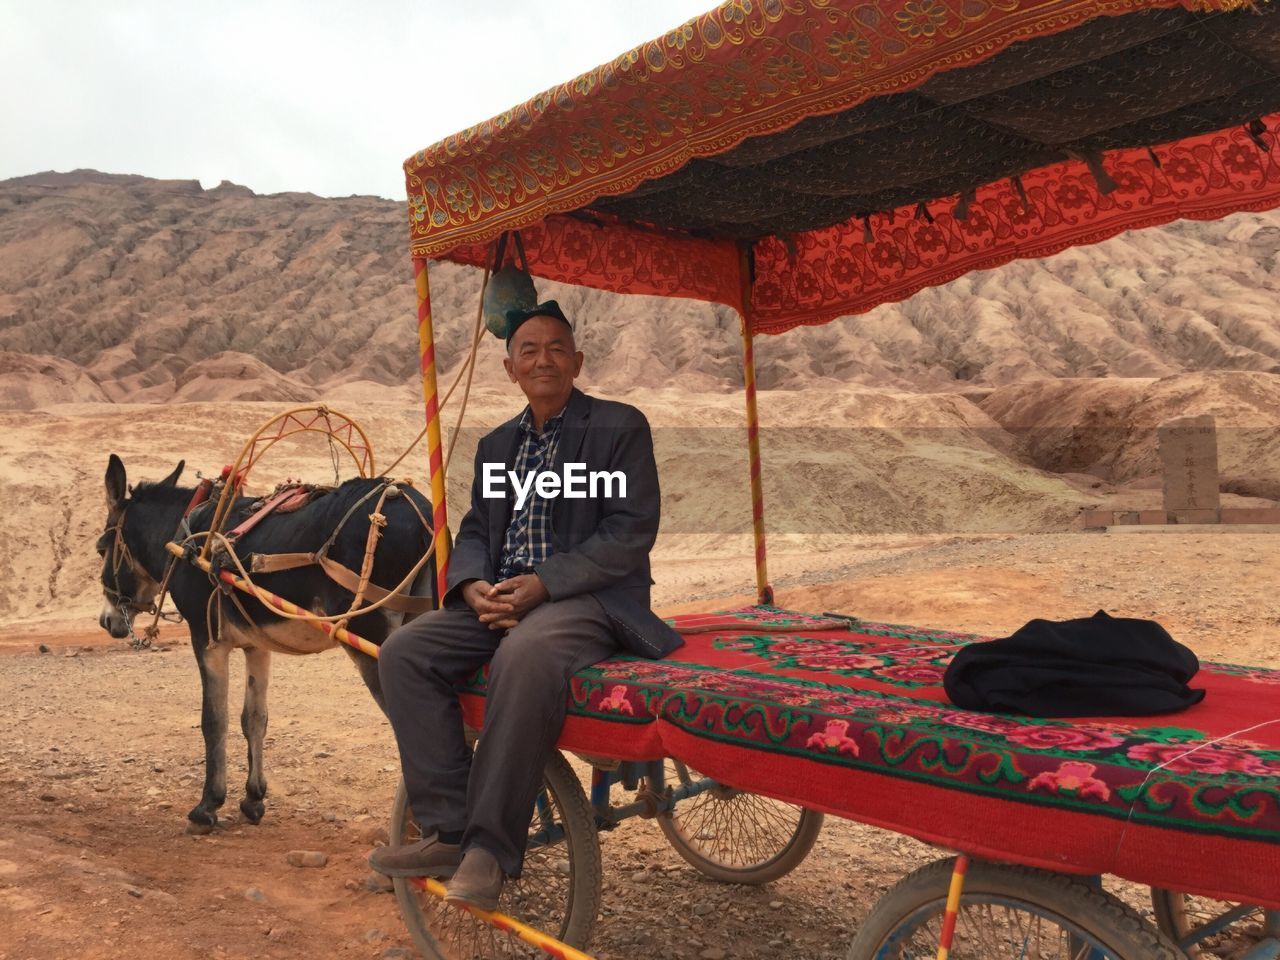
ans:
(764, 592)
(536, 938)
(435, 453)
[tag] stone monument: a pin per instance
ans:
(1189, 456)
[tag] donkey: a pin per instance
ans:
(142, 519)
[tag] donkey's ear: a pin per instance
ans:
(172, 479)
(117, 486)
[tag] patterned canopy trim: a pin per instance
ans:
(814, 277)
(610, 255)
(747, 68)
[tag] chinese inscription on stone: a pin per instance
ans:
(1189, 455)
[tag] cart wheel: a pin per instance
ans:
(1006, 911)
(558, 891)
(732, 836)
(1180, 916)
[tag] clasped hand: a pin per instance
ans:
(502, 605)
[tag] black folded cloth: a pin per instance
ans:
(1094, 666)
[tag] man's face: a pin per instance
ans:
(542, 359)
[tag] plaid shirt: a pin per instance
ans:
(528, 539)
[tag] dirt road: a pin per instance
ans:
(101, 757)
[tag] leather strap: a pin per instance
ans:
(275, 562)
(343, 576)
(272, 502)
(350, 580)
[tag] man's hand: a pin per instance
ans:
(482, 597)
(521, 594)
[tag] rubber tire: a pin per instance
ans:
(584, 861)
(1117, 927)
(1168, 906)
(779, 865)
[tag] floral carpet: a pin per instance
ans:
(850, 717)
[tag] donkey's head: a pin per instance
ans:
(127, 587)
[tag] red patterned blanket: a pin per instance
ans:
(850, 718)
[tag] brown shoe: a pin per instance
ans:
(426, 858)
(477, 882)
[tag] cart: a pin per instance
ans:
(767, 717)
(801, 160)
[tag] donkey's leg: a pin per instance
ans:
(212, 658)
(253, 721)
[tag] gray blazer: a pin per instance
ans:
(601, 544)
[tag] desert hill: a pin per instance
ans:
(159, 320)
(926, 463)
(137, 281)
(846, 469)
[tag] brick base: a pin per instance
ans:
(1095, 519)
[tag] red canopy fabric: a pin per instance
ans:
(836, 272)
(756, 68)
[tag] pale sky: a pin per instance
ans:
(321, 96)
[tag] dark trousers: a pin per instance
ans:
(490, 796)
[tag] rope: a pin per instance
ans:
(377, 521)
(477, 334)
(208, 616)
(244, 614)
(121, 556)
(152, 631)
(333, 456)
(229, 549)
(373, 491)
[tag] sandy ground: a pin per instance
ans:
(101, 754)
(102, 757)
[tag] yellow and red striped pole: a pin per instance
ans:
(435, 451)
(764, 592)
(536, 938)
(953, 907)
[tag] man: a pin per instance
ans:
(539, 587)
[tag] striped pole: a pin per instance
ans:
(427, 350)
(500, 921)
(953, 907)
(764, 592)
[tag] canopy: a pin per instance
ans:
(857, 153)
(801, 160)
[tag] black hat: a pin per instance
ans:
(548, 308)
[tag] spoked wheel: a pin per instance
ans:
(732, 836)
(558, 892)
(1006, 912)
(1184, 919)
